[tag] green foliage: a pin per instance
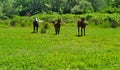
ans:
(110, 10)
(82, 7)
(21, 21)
(116, 3)
(1, 12)
(98, 19)
(44, 27)
(114, 21)
(99, 5)
(11, 8)
(7, 8)
(104, 20)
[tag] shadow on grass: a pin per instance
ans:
(78, 35)
(33, 32)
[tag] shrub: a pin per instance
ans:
(114, 21)
(43, 30)
(21, 21)
(44, 27)
(99, 19)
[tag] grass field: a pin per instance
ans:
(22, 50)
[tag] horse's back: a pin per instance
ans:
(35, 22)
(82, 23)
(57, 25)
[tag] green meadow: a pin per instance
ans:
(23, 49)
(20, 49)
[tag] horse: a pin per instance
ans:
(81, 24)
(57, 25)
(35, 25)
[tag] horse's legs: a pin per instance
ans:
(37, 28)
(81, 31)
(58, 30)
(78, 31)
(33, 28)
(84, 31)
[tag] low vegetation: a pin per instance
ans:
(22, 49)
(98, 19)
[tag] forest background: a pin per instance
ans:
(11, 8)
(14, 12)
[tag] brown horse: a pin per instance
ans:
(57, 26)
(81, 24)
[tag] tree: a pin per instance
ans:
(82, 7)
(69, 4)
(109, 2)
(116, 3)
(0, 9)
(98, 5)
(31, 7)
(7, 8)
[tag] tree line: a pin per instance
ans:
(11, 8)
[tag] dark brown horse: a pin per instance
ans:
(57, 26)
(81, 24)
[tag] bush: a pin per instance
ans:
(44, 27)
(114, 21)
(21, 21)
(43, 30)
(99, 19)
(103, 20)
(82, 8)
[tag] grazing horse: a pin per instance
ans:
(35, 25)
(81, 24)
(57, 26)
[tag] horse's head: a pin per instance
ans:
(82, 22)
(54, 22)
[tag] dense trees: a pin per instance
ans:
(116, 3)
(82, 7)
(9, 8)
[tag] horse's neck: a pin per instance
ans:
(80, 22)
